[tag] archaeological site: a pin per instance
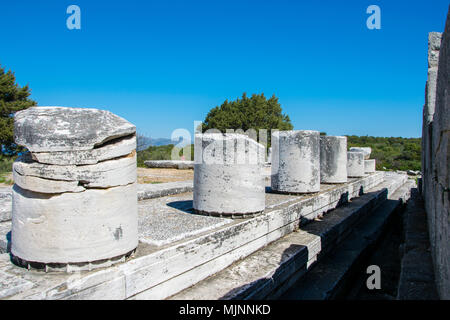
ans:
(305, 216)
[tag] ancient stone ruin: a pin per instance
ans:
(75, 208)
(365, 150)
(333, 159)
(228, 177)
(355, 164)
(436, 155)
(369, 165)
(74, 198)
(296, 161)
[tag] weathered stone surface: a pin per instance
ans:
(151, 191)
(159, 272)
(369, 166)
(228, 174)
(366, 150)
(174, 164)
(268, 272)
(74, 227)
(45, 185)
(416, 281)
(296, 161)
(5, 205)
(355, 164)
(112, 149)
(333, 159)
(10, 284)
(436, 155)
(169, 219)
(53, 129)
(35, 176)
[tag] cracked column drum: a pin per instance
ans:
(296, 161)
(369, 166)
(228, 175)
(333, 159)
(75, 195)
(87, 226)
(355, 164)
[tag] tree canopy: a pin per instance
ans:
(256, 112)
(393, 153)
(13, 98)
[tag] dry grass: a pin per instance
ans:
(155, 175)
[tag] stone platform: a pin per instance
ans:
(270, 271)
(178, 248)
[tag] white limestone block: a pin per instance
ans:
(366, 150)
(228, 174)
(333, 159)
(369, 166)
(45, 185)
(355, 164)
(112, 149)
(80, 227)
(36, 176)
(296, 161)
(53, 129)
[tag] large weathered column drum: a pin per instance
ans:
(333, 159)
(355, 164)
(296, 161)
(74, 198)
(228, 175)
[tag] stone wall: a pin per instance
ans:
(436, 155)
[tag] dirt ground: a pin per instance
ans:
(156, 175)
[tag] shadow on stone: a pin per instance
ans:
(259, 289)
(183, 205)
(8, 241)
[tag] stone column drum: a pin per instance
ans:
(366, 150)
(369, 166)
(333, 159)
(75, 196)
(228, 175)
(296, 161)
(355, 164)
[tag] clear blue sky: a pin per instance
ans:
(164, 64)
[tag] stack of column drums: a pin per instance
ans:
(75, 192)
(359, 162)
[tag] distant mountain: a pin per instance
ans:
(144, 142)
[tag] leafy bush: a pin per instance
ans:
(6, 163)
(392, 153)
(159, 153)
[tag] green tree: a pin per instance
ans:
(256, 112)
(13, 98)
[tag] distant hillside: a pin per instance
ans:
(391, 153)
(158, 153)
(144, 142)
